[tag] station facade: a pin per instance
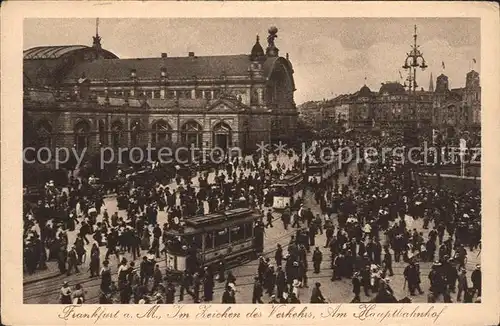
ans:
(85, 96)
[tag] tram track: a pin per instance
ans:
(86, 282)
(90, 283)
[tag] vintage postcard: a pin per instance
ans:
(278, 163)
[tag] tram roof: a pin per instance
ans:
(217, 221)
(288, 180)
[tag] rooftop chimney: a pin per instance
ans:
(191, 54)
(164, 55)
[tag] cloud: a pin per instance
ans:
(329, 55)
(380, 63)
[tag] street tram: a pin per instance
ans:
(287, 190)
(231, 236)
(321, 171)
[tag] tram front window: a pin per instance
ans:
(221, 237)
(193, 240)
(280, 192)
(175, 243)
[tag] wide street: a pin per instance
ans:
(44, 286)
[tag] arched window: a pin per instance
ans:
(161, 132)
(116, 133)
(135, 132)
(82, 129)
(192, 134)
(44, 133)
(222, 136)
(103, 136)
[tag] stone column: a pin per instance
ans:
(260, 96)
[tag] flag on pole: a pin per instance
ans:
(474, 60)
(442, 64)
(400, 75)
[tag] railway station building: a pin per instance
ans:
(85, 96)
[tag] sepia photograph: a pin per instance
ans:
(251, 160)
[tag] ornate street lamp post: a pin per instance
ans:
(414, 61)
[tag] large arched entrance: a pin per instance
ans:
(222, 136)
(116, 133)
(135, 132)
(44, 133)
(192, 134)
(162, 132)
(82, 129)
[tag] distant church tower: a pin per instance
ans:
(431, 84)
(97, 39)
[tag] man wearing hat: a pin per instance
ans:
(269, 280)
(296, 219)
(269, 218)
(262, 268)
(449, 269)
(366, 279)
(476, 280)
(278, 256)
(436, 279)
(302, 272)
(280, 282)
(196, 287)
(257, 291)
(316, 295)
(338, 263)
(462, 284)
(356, 287)
(72, 261)
(317, 258)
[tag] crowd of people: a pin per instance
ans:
(240, 181)
(375, 214)
(367, 223)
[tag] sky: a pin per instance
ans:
(330, 56)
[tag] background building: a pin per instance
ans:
(85, 96)
(457, 108)
(391, 107)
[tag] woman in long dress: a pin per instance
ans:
(94, 260)
(105, 278)
(145, 240)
